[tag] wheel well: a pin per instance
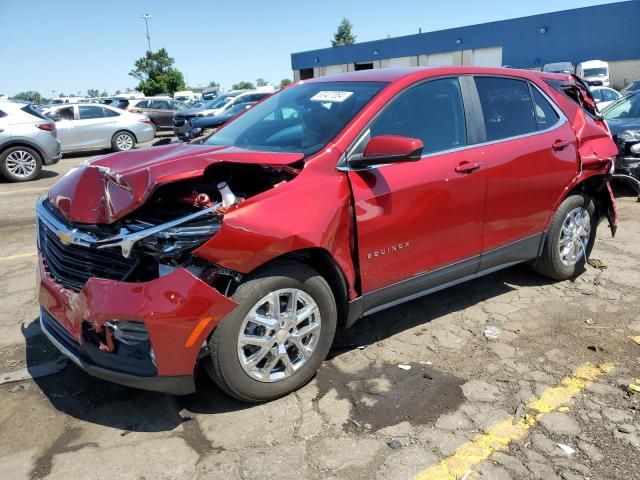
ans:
(22, 144)
(124, 130)
(595, 187)
(322, 262)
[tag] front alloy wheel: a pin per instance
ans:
(279, 335)
(275, 340)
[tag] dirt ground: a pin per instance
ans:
(363, 416)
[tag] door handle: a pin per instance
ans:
(560, 144)
(467, 167)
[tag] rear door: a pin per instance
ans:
(530, 154)
(415, 218)
(160, 113)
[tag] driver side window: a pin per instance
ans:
(431, 111)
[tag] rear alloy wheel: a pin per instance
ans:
(275, 340)
(569, 239)
(123, 141)
(20, 164)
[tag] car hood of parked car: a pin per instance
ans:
(620, 125)
(110, 187)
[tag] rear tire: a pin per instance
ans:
(20, 164)
(123, 141)
(231, 366)
(570, 238)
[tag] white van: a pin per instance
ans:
(186, 96)
(594, 72)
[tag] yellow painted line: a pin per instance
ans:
(20, 255)
(636, 339)
(499, 436)
(24, 190)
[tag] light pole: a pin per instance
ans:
(146, 17)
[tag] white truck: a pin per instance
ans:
(594, 72)
(186, 96)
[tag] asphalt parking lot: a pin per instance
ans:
(509, 376)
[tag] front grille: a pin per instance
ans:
(72, 265)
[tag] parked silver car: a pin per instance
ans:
(91, 127)
(27, 141)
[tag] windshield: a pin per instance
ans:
(632, 87)
(627, 107)
(302, 119)
(595, 72)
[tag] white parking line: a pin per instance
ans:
(19, 255)
(24, 190)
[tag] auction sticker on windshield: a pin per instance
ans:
(331, 96)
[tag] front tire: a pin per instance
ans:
(20, 164)
(570, 238)
(123, 142)
(275, 340)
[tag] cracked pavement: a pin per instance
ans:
(362, 416)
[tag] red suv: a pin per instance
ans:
(333, 199)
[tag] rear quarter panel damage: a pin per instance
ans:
(596, 154)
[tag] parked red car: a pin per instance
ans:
(333, 199)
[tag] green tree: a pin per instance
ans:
(285, 82)
(117, 92)
(213, 84)
(156, 74)
(104, 93)
(261, 82)
(61, 95)
(243, 86)
(343, 35)
(29, 95)
(93, 92)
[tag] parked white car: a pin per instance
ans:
(186, 96)
(604, 96)
(594, 72)
(92, 127)
(226, 102)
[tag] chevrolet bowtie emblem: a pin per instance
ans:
(64, 237)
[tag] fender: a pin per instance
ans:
(313, 211)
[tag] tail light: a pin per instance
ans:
(146, 120)
(47, 127)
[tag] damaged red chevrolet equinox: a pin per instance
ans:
(330, 200)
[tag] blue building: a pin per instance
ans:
(605, 32)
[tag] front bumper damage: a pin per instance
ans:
(178, 311)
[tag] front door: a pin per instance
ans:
(65, 126)
(415, 218)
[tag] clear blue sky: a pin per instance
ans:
(70, 46)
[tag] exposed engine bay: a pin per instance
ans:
(157, 237)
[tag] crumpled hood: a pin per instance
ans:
(110, 187)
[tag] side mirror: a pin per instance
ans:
(388, 149)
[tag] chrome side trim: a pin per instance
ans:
(125, 239)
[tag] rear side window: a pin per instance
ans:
(109, 113)
(431, 111)
(546, 115)
(506, 107)
(2, 114)
(31, 110)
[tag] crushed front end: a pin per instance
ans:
(127, 301)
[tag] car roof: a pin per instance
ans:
(395, 74)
